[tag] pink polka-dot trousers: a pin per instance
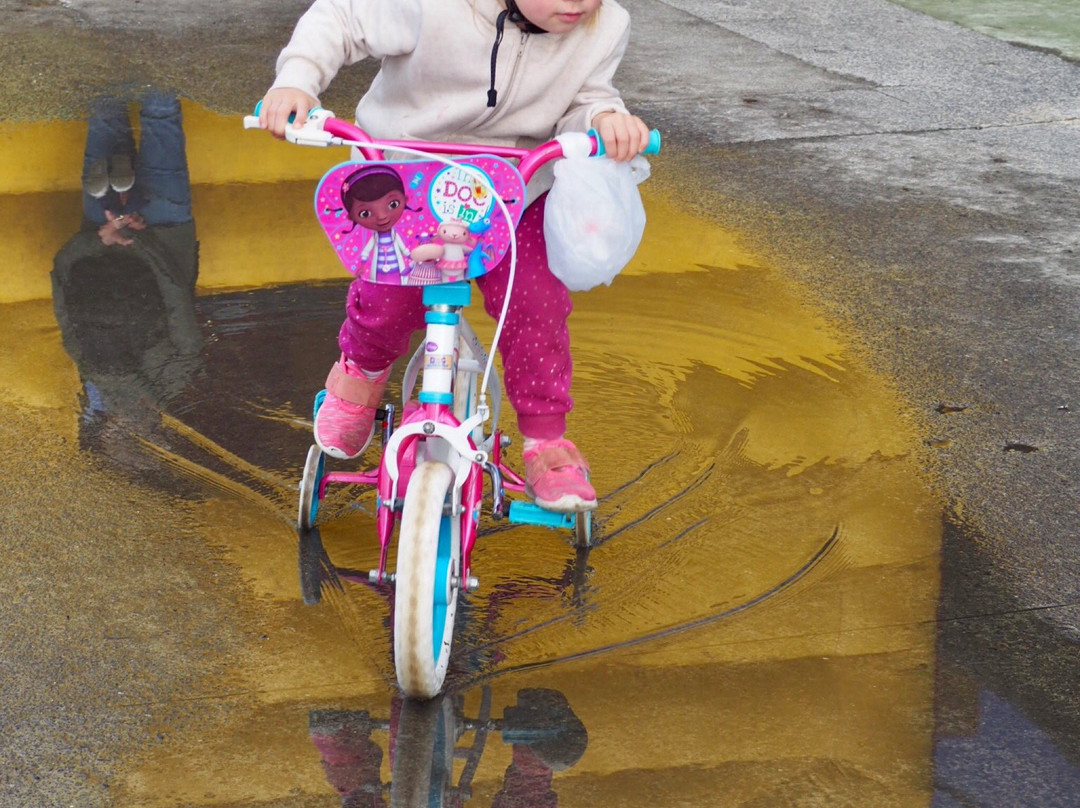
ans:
(534, 345)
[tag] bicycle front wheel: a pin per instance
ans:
(425, 599)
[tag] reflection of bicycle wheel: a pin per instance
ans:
(314, 467)
(316, 568)
(583, 529)
(426, 598)
(423, 765)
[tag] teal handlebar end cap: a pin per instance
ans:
(599, 143)
(653, 146)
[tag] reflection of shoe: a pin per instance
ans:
(557, 477)
(121, 173)
(345, 422)
(96, 181)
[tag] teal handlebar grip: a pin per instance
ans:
(652, 148)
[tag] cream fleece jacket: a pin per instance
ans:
(435, 69)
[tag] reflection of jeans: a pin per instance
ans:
(162, 191)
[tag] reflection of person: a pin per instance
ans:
(546, 737)
(126, 190)
(124, 285)
(543, 730)
(560, 81)
(526, 782)
(350, 758)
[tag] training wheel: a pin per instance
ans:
(309, 487)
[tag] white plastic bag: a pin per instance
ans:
(593, 219)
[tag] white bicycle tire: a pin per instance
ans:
(309, 488)
(423, 622)
(423, 764)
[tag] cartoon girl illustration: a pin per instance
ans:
(374, 198)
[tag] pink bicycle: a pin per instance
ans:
(455, 220)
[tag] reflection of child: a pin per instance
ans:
(526, 782)
(556, 77)
(350, 758)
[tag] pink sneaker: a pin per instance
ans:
(557, 477)
(345, 423)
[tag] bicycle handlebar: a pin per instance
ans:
(322, 129)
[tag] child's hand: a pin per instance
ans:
(279, 104)
(111, 233)
(624, 136)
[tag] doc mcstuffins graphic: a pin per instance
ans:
(420, 222)
(373, 197)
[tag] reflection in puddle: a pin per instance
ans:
(1005, 696)
(1002, 757)
(436, 748)
(767, 550)
(755, 627)
(124, 284)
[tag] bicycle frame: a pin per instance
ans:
(433, 429)
(441, 444)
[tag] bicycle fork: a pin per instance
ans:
(433, 432)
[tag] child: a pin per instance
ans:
(447, 74)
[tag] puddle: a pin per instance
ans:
(768, 550)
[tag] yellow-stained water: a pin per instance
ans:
(756, 625)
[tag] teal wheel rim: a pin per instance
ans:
(443, 592)
(313, 511)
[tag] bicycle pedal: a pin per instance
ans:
(529, 513)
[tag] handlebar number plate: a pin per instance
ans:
(414, 223)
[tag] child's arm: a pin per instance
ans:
(599, 106)
(330, 35)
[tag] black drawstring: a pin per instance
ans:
(499, 22)
(518, 19)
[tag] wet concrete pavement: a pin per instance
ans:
(838, 562)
